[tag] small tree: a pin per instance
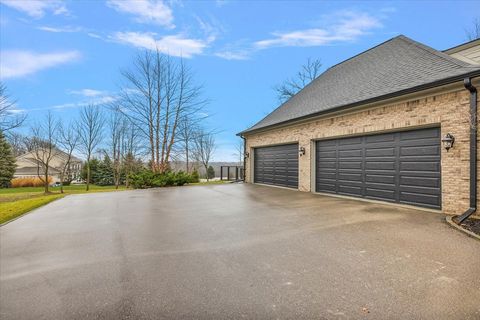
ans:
(7, 162)
(68, 141)
(43, 143)
(210, 172)
(104, 175)
(91, 126)
(204, 148)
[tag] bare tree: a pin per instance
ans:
(309, 72)
(239, 151)
(204, 148)
(188, 129)
(9, 118)
(44, 138)
(90, 132)
(69, 140)
(118, 125)
(18, 142)
(158, 94)
(474, 32)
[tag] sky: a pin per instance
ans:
(61, 55)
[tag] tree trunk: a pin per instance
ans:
(88, 174)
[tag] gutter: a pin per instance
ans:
(467, 82)
(244, 157)
(387, 96)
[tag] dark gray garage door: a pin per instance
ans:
(401, 167)
(277, 165)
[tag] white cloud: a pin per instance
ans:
(349, 27)
(88, 92)
(67, 29)
(145, 11)
(37, 8)
(18, 63)
(174, 45)
(234, 55)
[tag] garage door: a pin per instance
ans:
(277, 165)
(402, 167)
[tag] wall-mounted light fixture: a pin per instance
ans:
(247, 155)
(448, 141)
(301, 151)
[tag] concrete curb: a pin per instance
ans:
(456, 226)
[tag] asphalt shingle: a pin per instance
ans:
(393, 66)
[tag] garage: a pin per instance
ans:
(401, 167)
(277, 165)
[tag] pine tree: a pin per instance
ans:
(104, 174)
(7, 162)
(210, 172)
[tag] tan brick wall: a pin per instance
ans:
(449, 110)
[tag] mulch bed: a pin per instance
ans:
(472, 225)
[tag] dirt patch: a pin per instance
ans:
(472, 225)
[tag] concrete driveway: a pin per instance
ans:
(235, 251)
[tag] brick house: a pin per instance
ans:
(377, 126)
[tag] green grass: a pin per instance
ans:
(11, 210)
(17, 201)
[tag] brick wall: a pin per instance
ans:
(449, 110)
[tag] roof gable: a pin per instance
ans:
(393, 66)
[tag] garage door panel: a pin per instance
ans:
(379, 178)
(350, 176)
(420, 151)
(420, 199)
(349, 190)
(380, 152)
(399, 167)
(380, 194)
(350, 141)
(350, 153)
(420, 134)
(420, 166)
(350, 164)
(432, 182)
(277, 165)
(380, 165)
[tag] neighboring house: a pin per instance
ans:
(28, 166)
(375, 127)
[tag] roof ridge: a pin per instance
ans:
(435, 52)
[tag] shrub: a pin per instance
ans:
(29, 182)
(210, 172)
(148, 179)
(194, 177)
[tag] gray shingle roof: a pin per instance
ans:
(394, 66)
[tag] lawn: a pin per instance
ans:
(17, 201)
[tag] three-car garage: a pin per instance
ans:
(402, 167)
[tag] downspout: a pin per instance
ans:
(467, 82)
(244, 157)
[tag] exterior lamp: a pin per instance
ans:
(301, 151)
(448, 141)
(247, 154)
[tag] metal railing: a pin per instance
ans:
(233, 173)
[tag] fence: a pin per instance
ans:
(233, 173)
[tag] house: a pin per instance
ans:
(28, 166)
(395, 123)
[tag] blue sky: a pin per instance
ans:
(59, 55)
